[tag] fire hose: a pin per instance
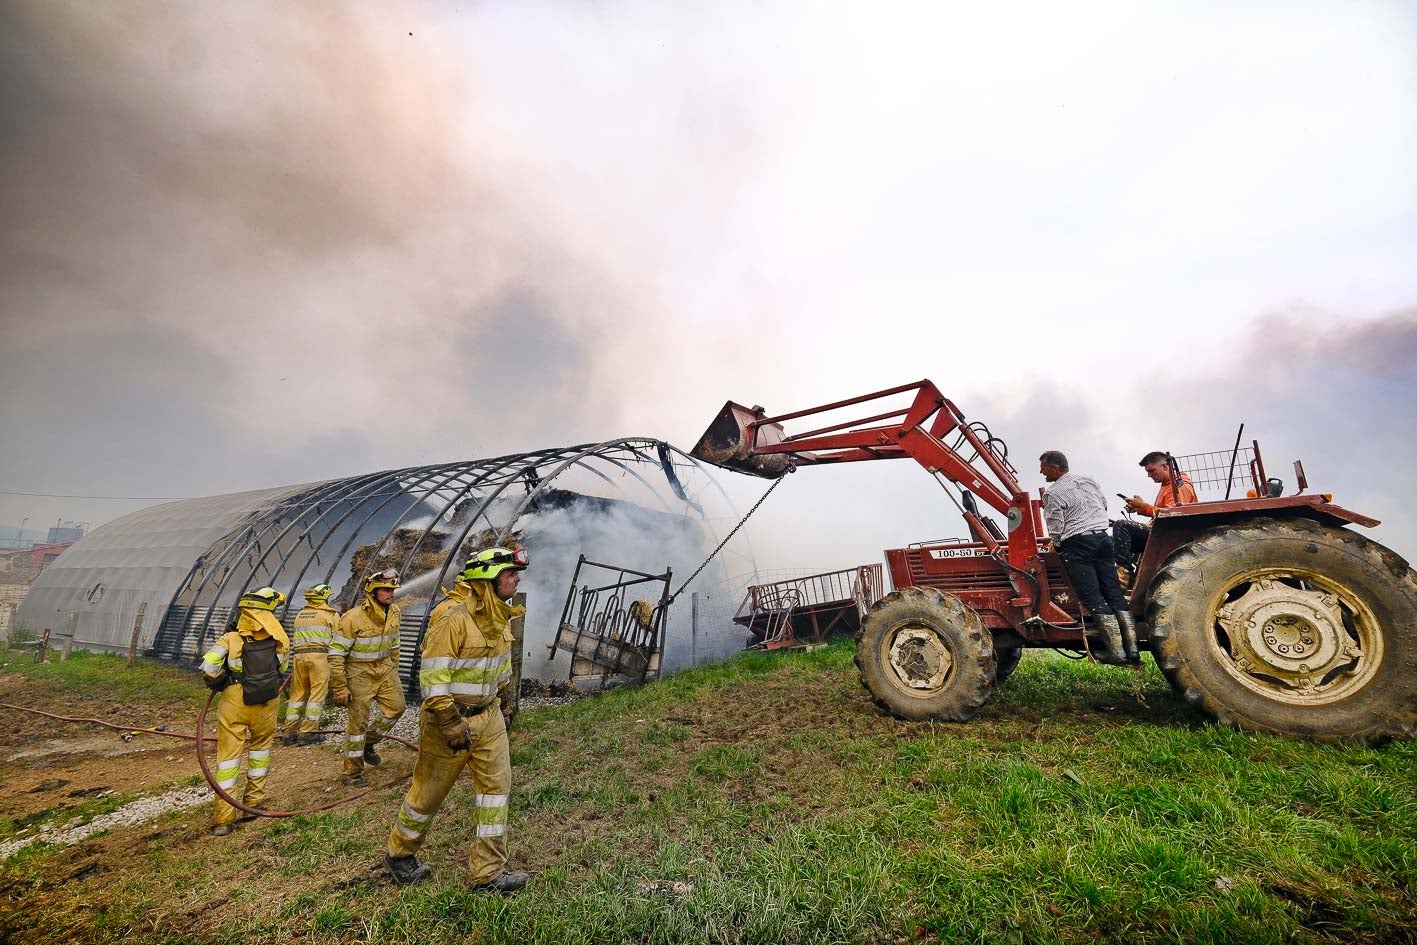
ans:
(205, 765)
(260, 811)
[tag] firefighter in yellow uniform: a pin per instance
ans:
(464, 675)
(364, 673)
(244, 665)
(310, 670)
(451, 598)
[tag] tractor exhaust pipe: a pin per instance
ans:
(734, 438)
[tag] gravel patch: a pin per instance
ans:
(551, 702)
(140, 811)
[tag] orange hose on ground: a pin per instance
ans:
(206, 767)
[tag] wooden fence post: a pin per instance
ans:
(518, 636)
(694, 629)
(137, 631)
(43, 645)
(69, 637)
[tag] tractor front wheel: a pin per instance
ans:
(1006, 660)
(1293, 627)
(924, 655)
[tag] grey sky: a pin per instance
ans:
(255, 244)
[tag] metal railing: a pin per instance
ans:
(819, 602)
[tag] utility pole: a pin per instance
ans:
(694, 629)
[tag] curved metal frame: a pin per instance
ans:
(315, 515)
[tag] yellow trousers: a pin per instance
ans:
(309, 682)
(242, 729)
(438, 766)
(370, 684)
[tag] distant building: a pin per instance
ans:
(67, 532)
(18, 570)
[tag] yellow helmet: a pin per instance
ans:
(263, 598)
(389, 577)
(486, 565)
(319, 592)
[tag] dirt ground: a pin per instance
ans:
(46, 764)
(50, 767)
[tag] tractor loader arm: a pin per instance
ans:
(931, 430)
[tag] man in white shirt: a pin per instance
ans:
(1076, 513)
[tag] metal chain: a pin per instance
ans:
(727, 538)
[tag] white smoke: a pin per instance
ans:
(625, 536)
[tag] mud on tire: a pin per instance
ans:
(1292, 627)
(924, 655)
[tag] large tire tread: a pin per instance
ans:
(1391, 713)
(975, 663)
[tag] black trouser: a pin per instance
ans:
(1129, 540)
(1090, 562)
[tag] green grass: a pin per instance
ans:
(103, 673)
(1083, 804)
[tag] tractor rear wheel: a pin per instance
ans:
(1293, 627)
(924, 655)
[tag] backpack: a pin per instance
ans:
(260, 671)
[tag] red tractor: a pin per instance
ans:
(1268, 612)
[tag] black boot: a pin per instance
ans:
(406, 870)
(506, 883)
(371, 757)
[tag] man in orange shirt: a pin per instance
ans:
(1129, 538)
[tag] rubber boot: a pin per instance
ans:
(371, 757)
(1128, 624)
(290, 738)
(406, 870)
(1111, 633)
(505, 883)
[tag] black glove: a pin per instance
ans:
(216, 683)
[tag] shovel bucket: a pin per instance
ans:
(734, 438)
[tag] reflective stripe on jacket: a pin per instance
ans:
(314, 629)
(251, 624)
(467, 652)
(364, 634)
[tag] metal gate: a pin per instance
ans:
(612, 637)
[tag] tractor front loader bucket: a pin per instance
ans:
(732, 441)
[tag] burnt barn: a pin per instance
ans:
(167, 577)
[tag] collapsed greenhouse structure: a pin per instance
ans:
(167, 578)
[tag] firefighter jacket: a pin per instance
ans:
(225, 654)
(467, 652)
(454, 597)
(367, 634)
(314, 628)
